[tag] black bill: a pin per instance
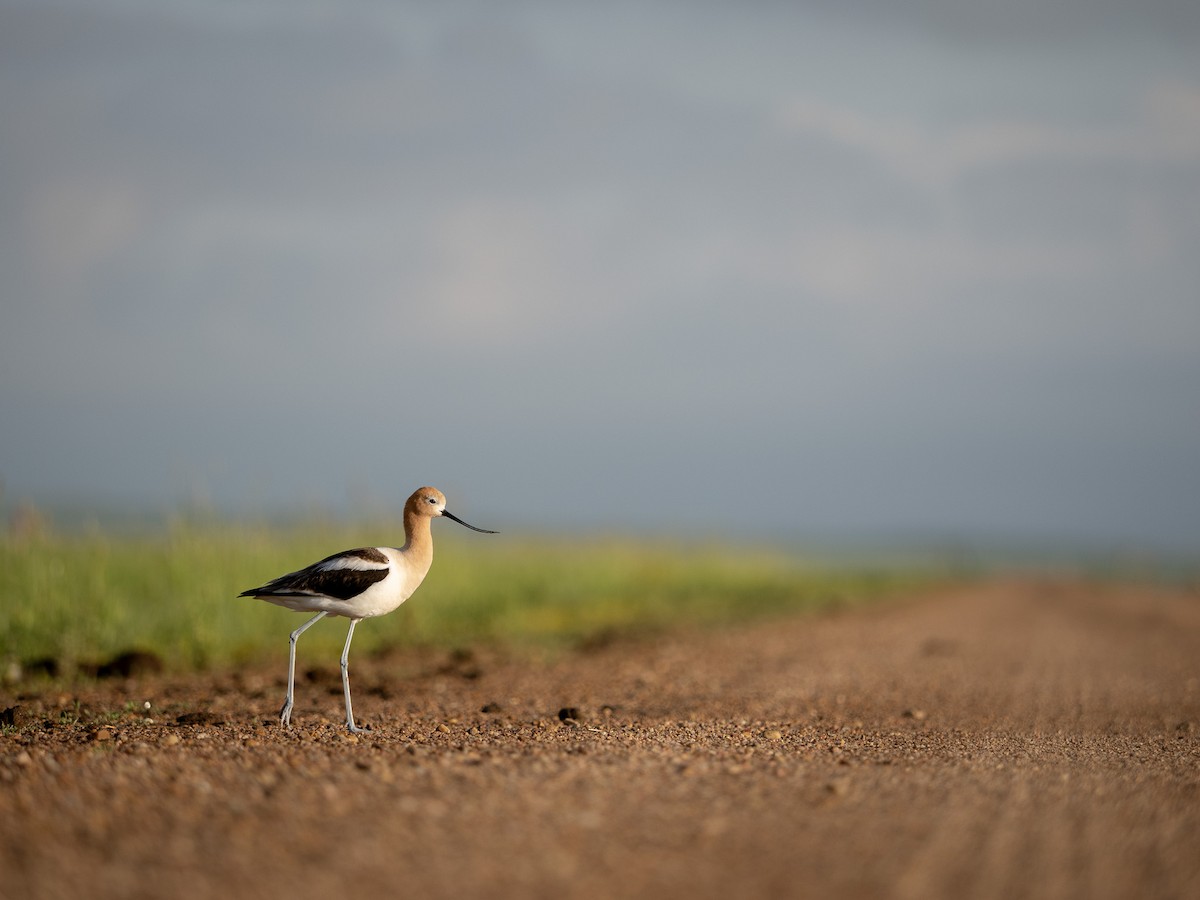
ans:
(450, 515)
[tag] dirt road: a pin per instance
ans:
(1017, 739)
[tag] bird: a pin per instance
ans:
(359, 584)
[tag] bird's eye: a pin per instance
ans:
(431, 500)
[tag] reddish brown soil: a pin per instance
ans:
(1004, 740)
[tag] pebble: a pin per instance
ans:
(102, 734)
(171, 740)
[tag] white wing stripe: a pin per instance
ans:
(350, 561)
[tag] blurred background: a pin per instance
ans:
(862, 271)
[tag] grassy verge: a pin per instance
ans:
(83, 598)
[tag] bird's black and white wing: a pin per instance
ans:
(342, 576)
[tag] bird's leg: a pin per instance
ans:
(354, 729)
(285, 714)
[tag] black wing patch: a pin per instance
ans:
(366, 554)
(341, 576)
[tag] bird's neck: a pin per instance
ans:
(418, 539)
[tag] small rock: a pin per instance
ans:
(492, 707)
(775, 735)
(171, 740)
(9, 716)
(23, 759)
(916, 714)
(101, 734)
(569, 712)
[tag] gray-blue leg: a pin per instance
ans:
(285, 714)
(354, 729)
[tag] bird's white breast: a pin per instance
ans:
(386, 595)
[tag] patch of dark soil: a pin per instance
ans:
(130, 664)
(200, 718)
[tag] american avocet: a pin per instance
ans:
(359, 584)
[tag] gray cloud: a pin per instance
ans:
(554, 259)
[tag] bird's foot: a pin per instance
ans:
(285, 714)
(354, 729)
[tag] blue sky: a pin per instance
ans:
(834, 270)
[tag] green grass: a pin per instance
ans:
(84, 598)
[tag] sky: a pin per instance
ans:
(888, 270)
